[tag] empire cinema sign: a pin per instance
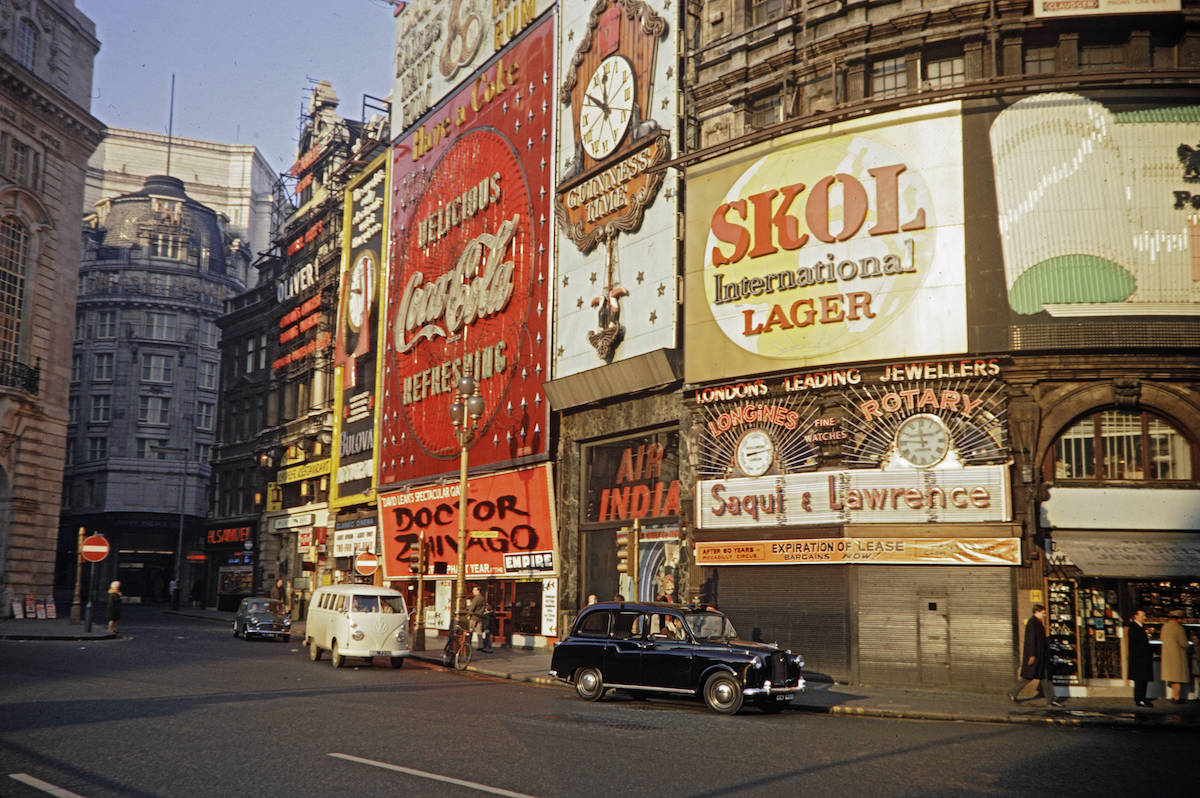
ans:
(971, 494)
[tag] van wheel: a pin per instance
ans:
(335, 656)
(314, 651)
(397, 662)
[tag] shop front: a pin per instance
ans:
(354, 532)
(304, 562)
(229, 550)
(511, 554)
(1104, 563)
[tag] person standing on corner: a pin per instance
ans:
(1174, 656)
(1036, 662)
(1141, 660)
(114, 606)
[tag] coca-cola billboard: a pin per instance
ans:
(466, 290)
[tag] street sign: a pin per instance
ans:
(95, 548)
(366, 563)
(485, 533)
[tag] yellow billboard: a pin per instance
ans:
(839, 244)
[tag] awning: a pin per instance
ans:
(1137, 555)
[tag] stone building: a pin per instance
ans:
(46, 136)
(941, 328)
(156, 269)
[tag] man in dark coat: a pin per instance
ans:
(1141, 660)
(1036, 662)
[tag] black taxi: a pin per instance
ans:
(650, 647)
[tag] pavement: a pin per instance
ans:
(531, 665)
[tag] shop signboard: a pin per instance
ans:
(861, 551)
(517, 505)
(1094, 8)
(467, 288)
(633, 478)
(843, 243)
(356, 336)
(971, 494)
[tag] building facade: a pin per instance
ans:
(940, 330)
(46, 136)
(156, 269)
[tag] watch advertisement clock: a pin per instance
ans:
(466, 289)
(356, 335)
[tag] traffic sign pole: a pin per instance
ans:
(91, 595)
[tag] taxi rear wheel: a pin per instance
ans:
(723, 694)
(589, 684)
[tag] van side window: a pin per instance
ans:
(341, 603)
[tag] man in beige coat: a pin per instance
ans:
(1174, 669)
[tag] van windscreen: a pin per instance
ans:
(365, 604)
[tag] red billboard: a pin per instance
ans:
(466, 289)
(507, 514)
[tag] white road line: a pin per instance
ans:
(434, 776)
(45, 787)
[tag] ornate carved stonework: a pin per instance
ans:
(1127, 393)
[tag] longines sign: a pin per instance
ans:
(867, 496)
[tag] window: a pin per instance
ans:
(103, 371)
(106, 324)
(262, 351)
(945, 72)
(72, 411)
(888, 78)
(80, 325)
(764, 111)
(14, 257)
(1102, 56)
(765, 10)
(76, 367)
(209, 334)
(1039, 60)
(97, 448)
(165, 246)
(101, 408)
(151, 449)
(160, 326)
(157, 368)
(19, 161)
(27, 42)
(154, 409)
(1120, 446)
(205, 412)
(208, 375)
(203, 452)
(250, 354)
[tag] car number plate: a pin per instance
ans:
(381, 653)
(784, 697)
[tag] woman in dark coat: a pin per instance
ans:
(1036, 659)
(1141, 660)
(114, 606)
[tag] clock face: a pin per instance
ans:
(755, 453)
(360, 291)
(922, 440)
(607, 107)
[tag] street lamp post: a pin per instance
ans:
(465, 412)
(182, 452)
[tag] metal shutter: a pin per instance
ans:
(804, 608)
(890, 600)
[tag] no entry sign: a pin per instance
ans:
(366, 563)
(95, 548)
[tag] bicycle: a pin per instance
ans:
(457, 653)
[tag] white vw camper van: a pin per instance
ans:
(357, 621)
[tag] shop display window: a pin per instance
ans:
(1061, 632)
(1101, 629)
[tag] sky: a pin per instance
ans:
(244, 69)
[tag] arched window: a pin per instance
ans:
(27, 41)
(1121, 446)
(14, 257)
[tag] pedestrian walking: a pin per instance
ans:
(114, 606)
(277, 592)
(1174, 656)
(1141, 660)
(478, 612)
(1036, 662)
